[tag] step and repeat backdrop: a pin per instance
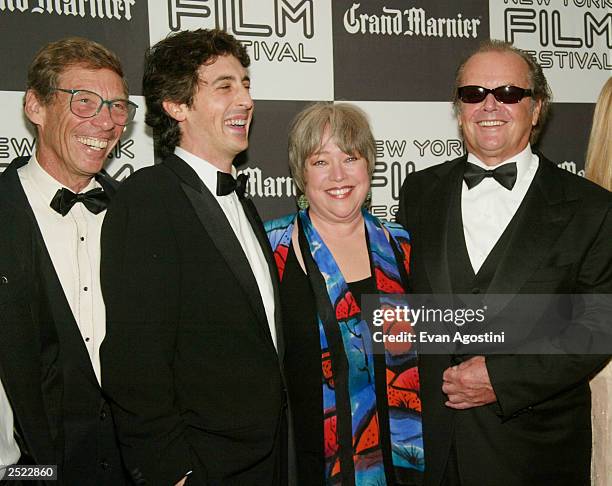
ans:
(394, 58)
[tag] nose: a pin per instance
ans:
(103, 119)
(337, 172)
(490, 103)
(244, 98)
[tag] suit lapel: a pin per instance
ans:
(107, 182)
(215, 223)
(20, 339)
(541, 218)
(257, 225)
(436, 212)
(59, 308)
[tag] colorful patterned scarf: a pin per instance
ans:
(352, 432)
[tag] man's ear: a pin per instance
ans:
(178, 111)
(34, 109)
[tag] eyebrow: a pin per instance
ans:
(227, 77)
(123, 97)
(317, 153)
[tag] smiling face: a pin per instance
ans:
(494, 131)
(335, 183)
(216, 126)
(73, 149)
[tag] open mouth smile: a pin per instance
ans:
(340, 192)
(93, 143)
(491, 123)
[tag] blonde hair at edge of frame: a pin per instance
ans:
(599, 154)
(348, 125)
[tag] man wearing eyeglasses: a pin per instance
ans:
(502, 221)
(52, 316)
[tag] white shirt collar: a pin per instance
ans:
(524, 162)
(46, 185)
(204, 169)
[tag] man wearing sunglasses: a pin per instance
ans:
(52, 317)
(501, 221)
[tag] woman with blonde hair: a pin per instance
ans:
(599, 152)
(599, 169)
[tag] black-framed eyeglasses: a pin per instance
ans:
(87, 104)
(504, 94)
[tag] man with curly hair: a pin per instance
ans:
(193, 350)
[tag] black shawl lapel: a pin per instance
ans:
(542, 216)
(109, 184)
(436, 210)
(20, 340)
(258, 228)
(59, 308)
(215, 223)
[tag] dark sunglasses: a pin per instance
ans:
(504, 94)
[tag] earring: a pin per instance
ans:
(302, 201)
(368, 200)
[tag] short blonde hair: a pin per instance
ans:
(599, 154)
(348, 125)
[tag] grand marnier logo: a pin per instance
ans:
(260, 185)
(96, 9)
(411, 22)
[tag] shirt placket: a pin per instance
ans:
(85, 295)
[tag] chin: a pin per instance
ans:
(347, 214)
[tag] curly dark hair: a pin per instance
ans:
(539, 85)
(171, 74)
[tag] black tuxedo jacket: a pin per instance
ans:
(188, 359)
(60, 414)
(539, 430)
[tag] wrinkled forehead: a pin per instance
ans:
(495, 68)
(103, 81)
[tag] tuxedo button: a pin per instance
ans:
(103, 415)
(475, 290)
(104, 464)
(3, 280)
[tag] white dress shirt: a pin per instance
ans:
(9, 451)
(231, 207)
(73, 242)
(488, 208)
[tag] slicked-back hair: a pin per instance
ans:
(56, 57)
(537, 81)
(599, 154)
(348, 125)
(172, 73)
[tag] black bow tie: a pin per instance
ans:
(504, 174)
(226, 184)
(95, 200)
